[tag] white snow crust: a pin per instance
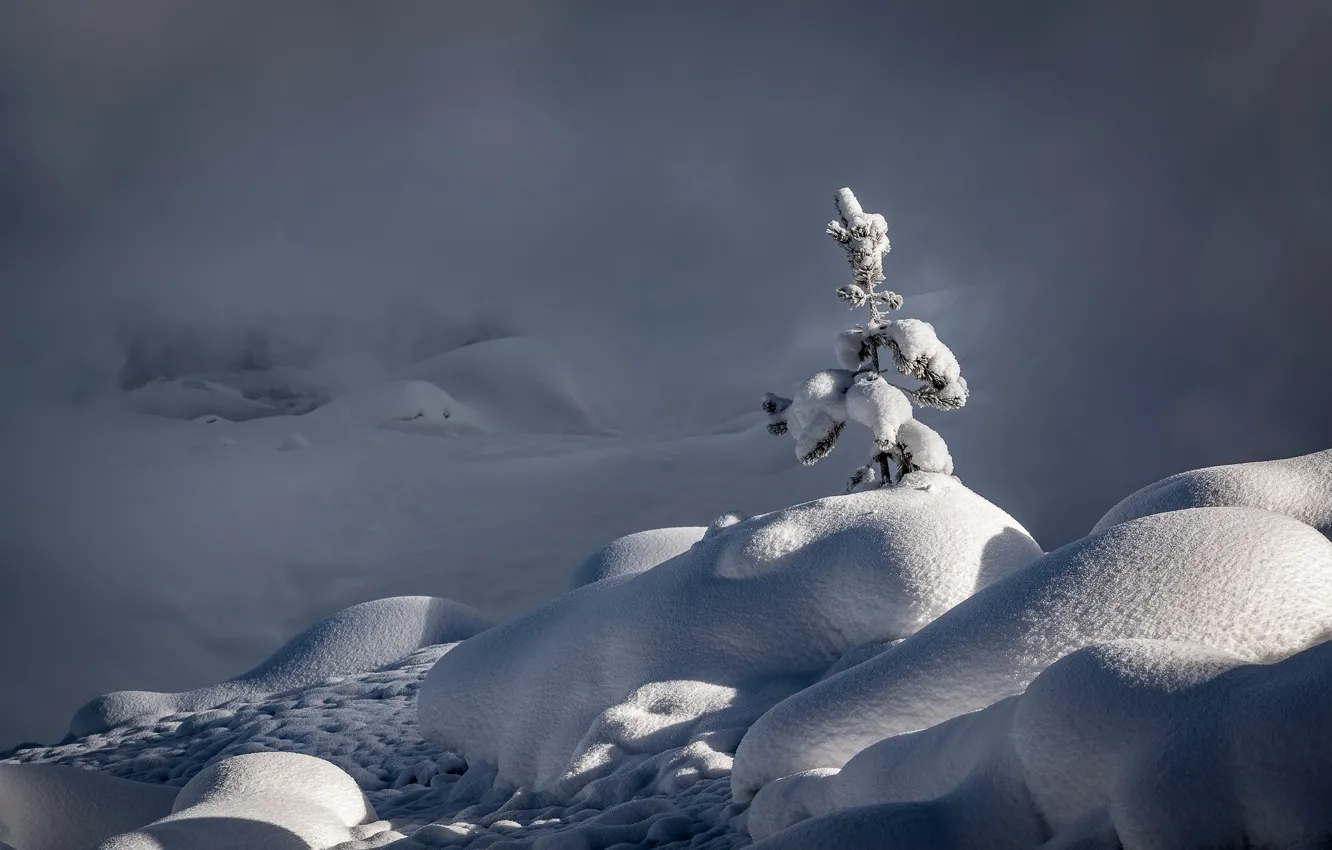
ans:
(1245, 581)
(355, 640)
(635, 553)
(1135, 744)
(696, 646)
(1300, 487)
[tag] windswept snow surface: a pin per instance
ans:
(1139, 744)
(635, 553)
(1300, 487)
(690, 651)
(358, 639)
(1240, 580)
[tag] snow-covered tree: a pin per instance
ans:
(860, 391)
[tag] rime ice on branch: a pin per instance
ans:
(859, 391)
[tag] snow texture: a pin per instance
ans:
(1240, 580)
(635, 553)
(277, 801)
(1300, 487)
(1139, 744)
(53, 807)
(880, 407)
(691, 650)
(923, 448)
(357, 639)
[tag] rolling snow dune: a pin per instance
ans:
(635, 553)
(355, 640)
(1241, 580)
(275, 801)
(1299, 487)
(703, 642)
(1135, 744)
(516, 384)
(52, 807)
(412, 406)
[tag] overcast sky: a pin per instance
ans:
(1129, 202)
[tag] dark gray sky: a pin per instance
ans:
(1136, 195)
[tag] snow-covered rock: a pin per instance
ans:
(1139, 744)
(514, 384)
(277, 801)
(1300, 487)
(414, 406)
(52, 807)
(635, 553)
(627, 667)
(1240, 580)
(192, 398)
(357, 639)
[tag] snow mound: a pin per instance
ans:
(1136, 744)
(275, 801)
(1240, 580)
(635, 553)
(515, 384)
(192, 398)
(356, 639)
(1300, 487)
(51, 807)
(414, 406)
(691, 650)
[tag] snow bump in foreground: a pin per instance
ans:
(1244, 581)
(689, 652)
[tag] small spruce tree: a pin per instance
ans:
(860, 391)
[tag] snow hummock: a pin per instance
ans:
(193, 398)
(415, 406)
(687, 653)
(514, 384)
(1132, 743)
(1300, 487)
(54, 807)
(357, 639)
(1240, 580)
(277, 801)
(635, 553)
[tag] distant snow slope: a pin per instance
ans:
(358, 639)
(516, 384)
(1300, 487)
(1241, 580)
(698, 645)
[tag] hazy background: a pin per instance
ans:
(1127, 205)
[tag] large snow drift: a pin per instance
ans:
(1241, 580)
(1300, 487)
(277, 801)
(357, 639)
(51, 807)
(635, 553)
(1136, 744)
(631, 666)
